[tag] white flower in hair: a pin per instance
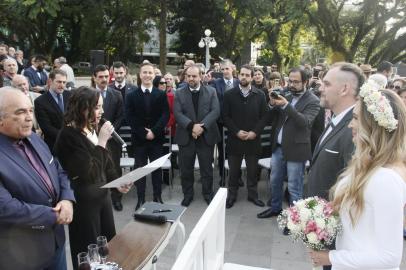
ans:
(378, 105)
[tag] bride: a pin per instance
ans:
(371, 193)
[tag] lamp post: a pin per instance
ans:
(208, 42)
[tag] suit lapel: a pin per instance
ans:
(189, 103)
(10, 151)
(202, 99)
(52, 101)
(342, 124)
(107, 100)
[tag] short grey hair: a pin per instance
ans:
(62, 60)
(5, 93)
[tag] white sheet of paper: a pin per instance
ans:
(137, 174)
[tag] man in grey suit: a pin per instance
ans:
(339, 91)
(196, 110)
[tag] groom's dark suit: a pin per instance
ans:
(330, 158)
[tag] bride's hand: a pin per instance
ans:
(319, 258)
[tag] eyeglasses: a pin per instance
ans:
(294, 82)
(162, 82)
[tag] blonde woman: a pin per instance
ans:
(371, 193)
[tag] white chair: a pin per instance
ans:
(204, 250)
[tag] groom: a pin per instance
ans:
(339, 91)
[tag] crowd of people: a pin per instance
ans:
(57, 149)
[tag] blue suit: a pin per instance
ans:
(34, 79)
(29, 235)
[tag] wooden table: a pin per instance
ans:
(136, 244)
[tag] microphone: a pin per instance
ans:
(150, 218)
(114, 134)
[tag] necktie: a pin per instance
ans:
(119, 86)
(147, 100)
(229, 86)
(60, 102)
(38, 167)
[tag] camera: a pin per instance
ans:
(316, 73)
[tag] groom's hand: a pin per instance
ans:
(319, 258)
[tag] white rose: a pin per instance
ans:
(312, 238)
(305, 214)
(294, 228)
(318, 209)
(320, 223)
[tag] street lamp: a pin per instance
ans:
(208, 42)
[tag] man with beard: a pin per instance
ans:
(196, 111)
(120, 83)
(291, 119)
(36, 74)
(245, 117)
(10, 70)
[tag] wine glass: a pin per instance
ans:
(103, 248)
(93, 252)
(83, 261)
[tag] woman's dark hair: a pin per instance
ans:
(80, 108)
(155, 82)
(264, 81)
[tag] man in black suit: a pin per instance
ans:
(50, 107)
(147, 112)
(245, 117)
(120, 83)
(113, 112)
(222, 85)
(36, 74)
(196, 110)
(292, 119)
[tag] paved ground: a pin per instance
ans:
(249, 240)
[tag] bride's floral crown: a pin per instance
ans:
(378, 105)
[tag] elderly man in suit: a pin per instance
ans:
(35, 195)
(50, 107)
(147, 112)
(196, 110)
(292, 120)
(114, 112)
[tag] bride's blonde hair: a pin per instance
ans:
(374, 147)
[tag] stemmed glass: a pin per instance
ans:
(83, 261)
(103, 248)
(93, 251)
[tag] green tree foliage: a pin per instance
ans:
(365, 31)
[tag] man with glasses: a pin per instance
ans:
(291, 118)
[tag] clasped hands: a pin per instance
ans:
(150, 135)
(64, 212)
(197, 130)
(246, 135)
(319, 258)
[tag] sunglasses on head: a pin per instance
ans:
(162, 82)
(397, 87)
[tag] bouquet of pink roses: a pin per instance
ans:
(311, 220)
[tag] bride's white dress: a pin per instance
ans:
(376, 241)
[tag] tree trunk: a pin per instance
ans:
(162, 37)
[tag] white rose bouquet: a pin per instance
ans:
(312, 221)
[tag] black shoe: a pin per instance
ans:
(257, 202)
(240, 182)
(117, 205)
(286, 231)
(268, 213)
(139, 204)
(158, 199)
(208, 199)
(186, 201)
(230, 203)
